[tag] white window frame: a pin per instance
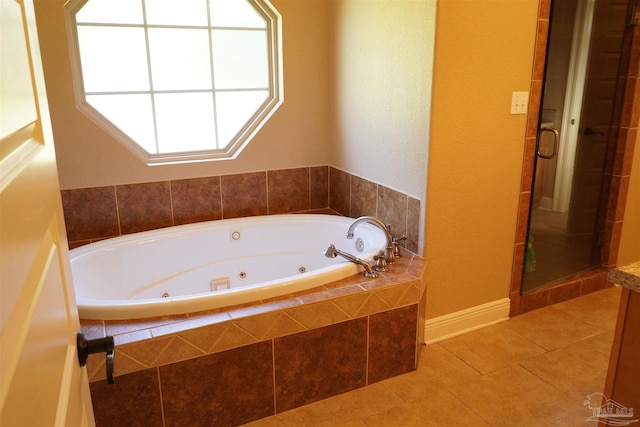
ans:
(243, 137)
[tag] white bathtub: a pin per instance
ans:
(214, 264)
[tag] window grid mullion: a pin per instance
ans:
(145, 92)
(180, 27)
(150, 73)
(213, 80)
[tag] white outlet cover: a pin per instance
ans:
(519, 102)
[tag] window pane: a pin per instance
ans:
(234, 111)
(177, 76)
(240, 59)
(235, 13)
(111, 11)
(176, 12)
(113, 59)
(131, 114)
(180, 59)
(185, 122)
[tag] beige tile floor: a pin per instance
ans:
(533, 370)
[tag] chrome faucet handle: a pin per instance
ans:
(388, 251)
(396, 245)
(332, 252)
(391, 252)
(381, 262)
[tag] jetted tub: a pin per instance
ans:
(201, 266)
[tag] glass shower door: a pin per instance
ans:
(585, 41)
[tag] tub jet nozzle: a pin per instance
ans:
(332, 252)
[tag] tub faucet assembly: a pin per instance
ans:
(388, 251)
(332, 252)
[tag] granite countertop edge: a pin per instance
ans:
(627, 276)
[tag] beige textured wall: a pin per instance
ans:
(483, 52)
(384, 68)
(373, 124)
(297, 135)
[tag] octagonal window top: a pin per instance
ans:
(177, 81)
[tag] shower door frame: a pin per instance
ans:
(614, 192)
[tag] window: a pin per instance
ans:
(177, 81)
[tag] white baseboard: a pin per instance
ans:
(470, 319)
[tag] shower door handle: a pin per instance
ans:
(556, 140)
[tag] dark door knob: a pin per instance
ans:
(98, 345)
(589, 132)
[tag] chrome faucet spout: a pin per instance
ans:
(332, 252)
(388, 252)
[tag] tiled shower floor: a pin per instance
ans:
(559, 254)
(532, 370)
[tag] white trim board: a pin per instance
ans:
(467, 320)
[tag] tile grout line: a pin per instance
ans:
(164, 421)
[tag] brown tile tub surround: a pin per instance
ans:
(227, 388)
(354, 196)
(97, 213)
(144, 207)
(231, 367)
(133, 401)
(320, 363)
(195, 200)
(91, 213)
